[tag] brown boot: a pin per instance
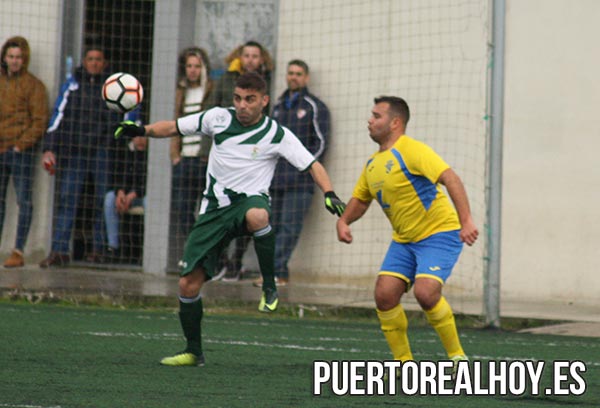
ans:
(55, 259)
(15, 260)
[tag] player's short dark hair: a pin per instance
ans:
(252, 81)
(398, 106)
(299, 63)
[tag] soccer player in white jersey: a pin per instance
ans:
(242, 160)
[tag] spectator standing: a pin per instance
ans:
(78, 144)
(129, 190)
(249, 57)
(23, 120)
(189, 154)
(291, 191)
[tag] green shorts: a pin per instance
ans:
(213, 231)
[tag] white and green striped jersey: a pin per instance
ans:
(242, 159)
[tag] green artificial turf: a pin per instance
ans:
(61, 356)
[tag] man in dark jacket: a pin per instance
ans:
(129, 189)
(78, 145)
(291, 191)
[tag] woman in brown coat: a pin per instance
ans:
(23, 120)
(189, 154)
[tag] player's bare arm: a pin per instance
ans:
(354, 210)
(160, 129)
(458, 194)
(320, 176)
(333, 204)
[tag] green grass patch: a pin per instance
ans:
(65, 356)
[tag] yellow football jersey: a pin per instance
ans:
(403, 180)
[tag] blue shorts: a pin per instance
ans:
(434, 257)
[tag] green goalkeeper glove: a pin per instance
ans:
(333, 203)
(130, 129)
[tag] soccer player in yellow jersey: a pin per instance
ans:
(429, 232)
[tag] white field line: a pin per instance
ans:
(27, 406)
(290, 346)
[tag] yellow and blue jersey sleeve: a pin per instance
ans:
(361, 190)
(403, 180)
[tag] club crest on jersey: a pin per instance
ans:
(388, 166)
(254, 152)
(301, 113)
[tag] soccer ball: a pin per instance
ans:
(122, 92)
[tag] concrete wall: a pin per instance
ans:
(550, 229)
(436, 58)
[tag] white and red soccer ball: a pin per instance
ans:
(122, 92)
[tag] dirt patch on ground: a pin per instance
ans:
(581, 329)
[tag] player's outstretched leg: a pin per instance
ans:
(264, 244)
(190, 316)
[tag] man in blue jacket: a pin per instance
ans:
(291, 191)
(78, 144)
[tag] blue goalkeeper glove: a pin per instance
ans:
(130, 129)
(333, 203)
